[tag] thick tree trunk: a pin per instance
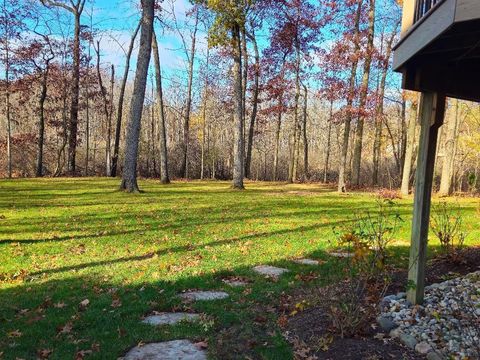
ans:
(305, 138)
(357, 155)
(41, 122)
(129, 178)
(407, 165)
(342, 186)
(448, 156)
(238, 146)
(329, 144)
(253, 116)
(186, 121)
(118, 128)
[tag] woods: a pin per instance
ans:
(263, 90)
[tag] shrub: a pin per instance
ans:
(447, 225)
(354, 304)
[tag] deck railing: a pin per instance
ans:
(423, 7)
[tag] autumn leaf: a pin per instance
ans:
(65, 329)
(59, 305)
(84, 303)
(44, 353)
(14, 334)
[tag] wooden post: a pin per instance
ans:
(432, 110)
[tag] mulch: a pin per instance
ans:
(310, 332)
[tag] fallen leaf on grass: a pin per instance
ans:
(80, 355)
(83, 304)
(44, 353)
(116, 303)
(65, 329)
(59, 305)
(14, 334)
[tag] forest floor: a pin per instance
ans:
(82, 264)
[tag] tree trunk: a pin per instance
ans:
(118, 128)
(244, 75)
(305, 139)
(238, 146)
(342, 186)
(277, 140)
(253, 116)
(329, 142)
(407, 165)
(186, 123)
(73, 126)
(357, 155)
(164, 177)
(41, 122)
(7, 113)
(292, 173)
(106, 110)
(129, 178)
(448, 156)
(204, 118)
(377, 143)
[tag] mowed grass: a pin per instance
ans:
(63, 241)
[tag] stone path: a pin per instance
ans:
(170, 318)
(270, 271)
(170, 350)
(341, 254)
(184, 349)
(307, 262)
(204, 295)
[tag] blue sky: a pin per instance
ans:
(117, 19)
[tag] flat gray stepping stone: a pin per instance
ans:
(306, 262)
(169, 350)
(204, 295)
(268, 270)
(341, 254)
(170, 318)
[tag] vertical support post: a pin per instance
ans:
(432, 111)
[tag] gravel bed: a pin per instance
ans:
(446, 326)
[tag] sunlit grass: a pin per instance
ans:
(66, 240)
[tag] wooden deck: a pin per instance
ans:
(439, 48)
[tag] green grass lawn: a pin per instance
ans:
(66, 240)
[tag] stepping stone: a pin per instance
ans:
(170, 350)
(341, 254)
(204, 295)
(307, 262)
(270, 271)
(170, 318)
(235, 283)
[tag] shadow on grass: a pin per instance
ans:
(46, 315)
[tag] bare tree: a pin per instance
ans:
(238, 152)
(164, 177)
(253, 117)
(118, 127)
(342, 186)
(76, 8)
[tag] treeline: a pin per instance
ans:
(288, 90)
